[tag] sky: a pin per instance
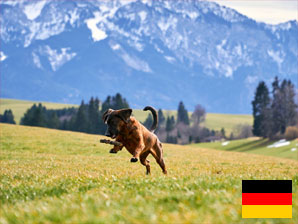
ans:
(268, 11)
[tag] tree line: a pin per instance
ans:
(275, 112)
(87, 118)
(7, 117)
(184, 129)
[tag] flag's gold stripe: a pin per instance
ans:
(266, 211)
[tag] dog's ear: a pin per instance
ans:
(125, 114)
(106, 114)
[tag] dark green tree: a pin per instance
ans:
(276, 107)
(182, 115)
(170, 123)
(223, 132)
(114, 102)
(261, 111)
(120, 102)
(161, 121)
(35, 116)
(7, 117)
(289, 105)
(81, 120)
(283, 106)
(171, 139)
(93, 116)
(161, 117)
(53, 120)
(148, 122)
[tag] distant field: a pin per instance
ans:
(52, 176)
(227, 121)
(19, 107)
(255, 146)
(213, 121)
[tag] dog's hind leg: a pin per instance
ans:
(157, 153)
(144, 161)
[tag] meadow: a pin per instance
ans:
(255, 145)
(52, 176)
(213, 120)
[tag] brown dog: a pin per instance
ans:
(136, 138)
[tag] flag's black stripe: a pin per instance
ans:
(266, 186)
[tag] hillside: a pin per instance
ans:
(256, 146)
(51, 176)
(160, 51)
(213, 121)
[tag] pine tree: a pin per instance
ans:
(97, 116)
(81, 120)
(161, 121)
(92, 116)
(107, 104)
(120, 102)
(35, 116)
(161, 117)
(261, 111)
(276, 107)
(114, 102)
(223, 132)
(7, 117)
(182, 115)
(170, 123)
(53, 120)
(283, 106)
(149, 121)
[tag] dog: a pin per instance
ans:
(135, 137)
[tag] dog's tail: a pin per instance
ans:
(155, 117)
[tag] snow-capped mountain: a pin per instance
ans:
(152, 52)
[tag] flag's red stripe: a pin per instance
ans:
(266, 198)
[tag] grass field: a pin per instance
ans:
(213, 121)
(51, 176)
(255, 146)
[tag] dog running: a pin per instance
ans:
(134, 136)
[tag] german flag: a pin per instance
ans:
(266, 198)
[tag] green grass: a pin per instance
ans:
(213, 121)
(51, 176)
(255, 146)
(19, 107)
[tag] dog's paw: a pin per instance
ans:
(112, 151)
(133, 160)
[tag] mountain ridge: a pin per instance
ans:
(154, 52)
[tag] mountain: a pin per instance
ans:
(152, 52)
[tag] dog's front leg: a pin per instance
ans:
(116, 148)
(136, 153)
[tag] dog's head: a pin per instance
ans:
(115, 119)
